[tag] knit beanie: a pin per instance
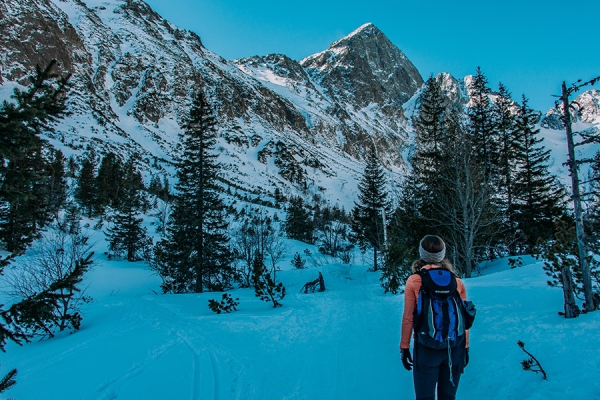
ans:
(431, 257)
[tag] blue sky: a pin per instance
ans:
(529, 45)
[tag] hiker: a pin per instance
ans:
(439, 367)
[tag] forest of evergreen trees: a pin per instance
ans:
(479, 177)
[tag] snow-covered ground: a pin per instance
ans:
(338, 344)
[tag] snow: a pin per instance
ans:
(338, 344)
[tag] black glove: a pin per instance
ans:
(407, 359)
(466, 356)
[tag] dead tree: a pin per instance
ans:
(573, 164)
(312, 285)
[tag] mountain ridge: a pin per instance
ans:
(134, 74)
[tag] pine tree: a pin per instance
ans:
(537, 196)
(507, 165)
(429, 157)
(57, 185)
(418, 212)
(86, 192)
(32, 112)
(23, 168)
(108, 182)
(371, 213)
(22, 175)
(127, 234)
(431, 128)
(482, 130)
(54, 301)
(298, 223)
(265, 287)
(20, 212)
(195, 254)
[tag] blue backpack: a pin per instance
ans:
(441, 317)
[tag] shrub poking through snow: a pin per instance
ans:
(532, 363)
(298, 262)
(227, 304)
(265, 287)
(515, 262)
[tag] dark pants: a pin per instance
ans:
(432, 371)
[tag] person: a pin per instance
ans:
(433, 369)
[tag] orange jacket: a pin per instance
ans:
(411, 294)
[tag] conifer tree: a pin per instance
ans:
(298, 223)
(57, 185)
(21, 123)
(505, 114)
(127, 234)
(108, 182)
(538, 197)
(265, 287)
(482, 130)
(431, 128)
(195, 254)
(20, 213)
(430, 155)
(86, 191)
(371, 213)
(23, 167)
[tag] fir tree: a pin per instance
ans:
(482, 131)
(23, 167)
(195, 254)
(418, 211)
(431, 128)
(507, 164)
(54, 300)
(19, 214)
(265, 288)
(86, 192)
(538, 197)
(371, 213)
(127, 234)
(298, 223)
(108, 182)
(32, 112)
(57, 185)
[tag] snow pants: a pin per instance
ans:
(432, 372)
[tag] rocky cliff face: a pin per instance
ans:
(292, 125)
(364, 68)
(351, 94)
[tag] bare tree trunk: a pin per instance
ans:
(574, 172)
(571, 309)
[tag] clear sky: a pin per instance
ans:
(530, 46)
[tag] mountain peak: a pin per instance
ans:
(364, 32)
(365, 67)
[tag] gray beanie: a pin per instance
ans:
(431, 257)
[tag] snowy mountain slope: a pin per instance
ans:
(341, 343)
(134, 73)
(356, 88)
